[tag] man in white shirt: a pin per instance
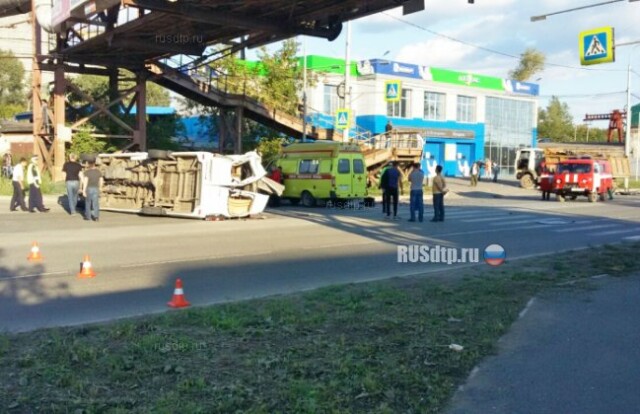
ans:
(18, 180)
(35, 180)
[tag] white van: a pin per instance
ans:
(185, 184)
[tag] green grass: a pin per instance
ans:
(47, 187)
(368, 348)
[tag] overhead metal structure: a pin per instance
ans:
(102, 36)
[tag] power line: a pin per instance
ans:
(489, 50)
(585, 95)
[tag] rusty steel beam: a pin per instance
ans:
(247, 22)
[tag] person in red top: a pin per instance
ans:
(276, 175)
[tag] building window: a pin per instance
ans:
(509, 125)
(331, 100)
(434, 106)
(400, 109)
(466, 109)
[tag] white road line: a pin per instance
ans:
(196, 259)
(612, 232)
(461, 233)
(514, 222)
(33, 275)
(580, 228)
(473, 213)
(492, 218)
(632, 238)
(329, 246)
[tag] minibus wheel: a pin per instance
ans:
(307, 199)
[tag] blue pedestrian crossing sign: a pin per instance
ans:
(596, 46)
(392, 91)
(343, 118)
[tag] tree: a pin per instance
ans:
(282, 78)
(555, 122)
(159, 133)
(83, 142)
(585, 133)
(12, 92)
(531, 62)
(97, 87)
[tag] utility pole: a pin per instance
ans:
(304, 90)
(627, 135)
(347, 81)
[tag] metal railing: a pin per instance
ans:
(395, 139)
(208, 77)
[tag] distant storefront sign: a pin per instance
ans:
(448, 133)
(466, 79)
(525, 88)
(407, 70)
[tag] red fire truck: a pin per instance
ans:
(581, 177)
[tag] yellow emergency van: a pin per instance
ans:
(320, 171)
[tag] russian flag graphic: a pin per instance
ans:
(494, 255)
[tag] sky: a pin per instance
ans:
(489, 36)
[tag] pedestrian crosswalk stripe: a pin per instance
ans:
(480, 220)
(585, 228)
(612, 232)
(515, 222)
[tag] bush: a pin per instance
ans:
(47, 187)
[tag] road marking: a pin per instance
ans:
(526, 308)
(632, 238)
(34, 275)
(196, 259)
(495, 217)
(612, 232)
(329, 246)
(460, 233)
(512, 222)
(578, 227)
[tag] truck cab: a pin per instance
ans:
(583, 177)
(527, 166)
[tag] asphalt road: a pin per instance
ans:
(137, 259)
(570, 352)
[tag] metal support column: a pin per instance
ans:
(141, 113)
(239, 117)
(36, 87)
(61, 134)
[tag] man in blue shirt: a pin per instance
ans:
(393, 180)
(416, 195)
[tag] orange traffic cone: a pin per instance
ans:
(86, 270)
(178, 300)
(34, 255)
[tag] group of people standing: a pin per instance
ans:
(79, 180)
(31, 172)
(87, 182)
(391, 186)
(491, 170)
